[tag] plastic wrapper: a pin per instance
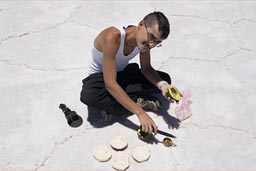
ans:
(183, 110)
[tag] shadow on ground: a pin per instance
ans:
(100, 119)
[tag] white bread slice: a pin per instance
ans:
(118, 142)
(140, 153)
(120, 161)
(101, 153)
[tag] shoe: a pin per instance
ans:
(149, 103)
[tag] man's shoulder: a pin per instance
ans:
(112, 33)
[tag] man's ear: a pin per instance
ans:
(141, 23)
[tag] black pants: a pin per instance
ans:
(130, 79)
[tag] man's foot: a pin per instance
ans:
(150, 103)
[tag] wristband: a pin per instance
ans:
(160, 84)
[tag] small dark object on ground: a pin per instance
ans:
(73, 119)
(167, 142)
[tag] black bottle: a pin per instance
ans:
(73, 119)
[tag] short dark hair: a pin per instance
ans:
(161, 20)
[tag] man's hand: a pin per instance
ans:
(164, 90)
(147, 124)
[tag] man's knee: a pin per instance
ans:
(86, 99)
(83, 99)
(132, 67)
(165, 76)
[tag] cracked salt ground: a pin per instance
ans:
(44, 51)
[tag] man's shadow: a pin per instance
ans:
(99, 119)
(168, 118)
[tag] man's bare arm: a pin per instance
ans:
(110, 47)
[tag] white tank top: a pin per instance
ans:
(95, 63)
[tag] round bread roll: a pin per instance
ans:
(101, 153)
(140, 153)
(118, 142)
(120, 161)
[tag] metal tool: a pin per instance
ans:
(145, 136)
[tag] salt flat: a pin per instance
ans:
(44, 52)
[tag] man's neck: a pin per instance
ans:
(130, 36)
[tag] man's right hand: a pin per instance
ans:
(147, 124)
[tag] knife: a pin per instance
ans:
(162, 133)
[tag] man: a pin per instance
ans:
(114, 85)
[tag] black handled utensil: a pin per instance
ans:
(144, 135)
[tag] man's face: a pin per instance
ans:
(149, 37)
